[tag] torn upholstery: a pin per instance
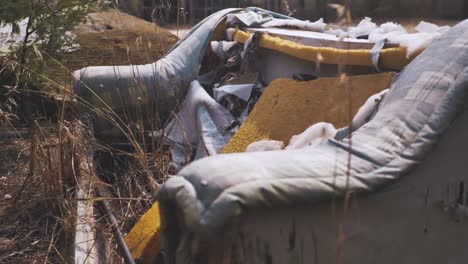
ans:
(421, 103)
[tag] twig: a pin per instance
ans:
(31, 163)
(51, 243)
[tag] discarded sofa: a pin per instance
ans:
(119, 96)
(229, 59)
(393, 191)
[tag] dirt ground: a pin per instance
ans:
(26, 226)
(180, 31)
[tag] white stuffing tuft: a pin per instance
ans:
(265, 145)
(313, 135)
(395, 33)
(230, 34)
(367, 109)
(318, 26)
(220, 48)
(365, 27)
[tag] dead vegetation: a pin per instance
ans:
(39, 178)
(36, 183)
(41, 162)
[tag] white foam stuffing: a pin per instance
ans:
(265, 145)
(313, 135)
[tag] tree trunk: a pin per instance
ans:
(25, 41)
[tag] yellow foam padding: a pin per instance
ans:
(144, 240)
(288, 107)
(390, 58)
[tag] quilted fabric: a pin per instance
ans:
(422, 101)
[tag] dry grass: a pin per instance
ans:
(36, 182)
(39, 173)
